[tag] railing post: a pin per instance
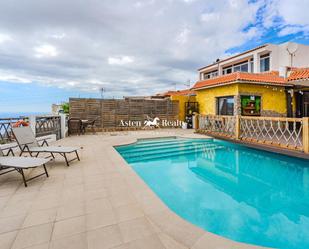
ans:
(32, 123)
(63, 127)
(195, 122)
(237, 127)
(306, 134)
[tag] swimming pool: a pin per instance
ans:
(231, 190)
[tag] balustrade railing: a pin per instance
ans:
(6, 125)
(291, 133)
(44, 125)
(220, 125)
(286, 132)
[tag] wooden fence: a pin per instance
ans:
(290, 133)
(110, 113)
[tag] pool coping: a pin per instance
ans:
(161, 216)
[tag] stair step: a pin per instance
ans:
(160, 145)
(170, 154)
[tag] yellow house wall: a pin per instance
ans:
(207, 97)
(182, 100)
(273, 101)
(273, 98)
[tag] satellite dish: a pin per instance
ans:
(292, 47)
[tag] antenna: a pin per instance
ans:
(102, 90)
(292, 48)
(188, 84)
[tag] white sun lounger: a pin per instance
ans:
(12, 163)
(28, 143)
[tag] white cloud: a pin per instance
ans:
(290, 17)
(5, 38)
(120, 60)
(45, 50)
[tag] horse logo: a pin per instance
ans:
(152, 123)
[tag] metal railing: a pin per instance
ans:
(44, 125)
(290, 133)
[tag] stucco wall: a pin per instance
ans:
(207, 97)
(182, 100)
(273, 101)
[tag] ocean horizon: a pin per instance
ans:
(20, 114)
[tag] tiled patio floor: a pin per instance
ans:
(96, 203)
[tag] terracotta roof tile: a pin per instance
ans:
(298, 74)
(179, 93)
(263, 78)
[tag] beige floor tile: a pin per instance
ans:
(122, 199)
(40, 246)
(104, 238)
(69, 227)
(33, 236)
(40, 217)
(170, 243)
(149, 242)
(70, 210)
(100, 219)
(128, 212)
(11, 223)
(78, 241)
(7, 239)
(135, 229)
(98, 205)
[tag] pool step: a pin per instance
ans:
(171, 154)
(134, 157)
(156, 148)
(134, 153)
(160, 145)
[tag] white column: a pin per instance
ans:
(63, 125)
(256, 63)
(32, 123)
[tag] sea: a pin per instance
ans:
(20, 114)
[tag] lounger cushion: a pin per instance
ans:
(54, 149)
(22, 162)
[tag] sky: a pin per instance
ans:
(51, 50)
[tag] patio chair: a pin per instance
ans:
(28, 143)
(75, 126)
(19, 164)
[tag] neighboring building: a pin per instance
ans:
(186, 99)
(259, 82)
(56, 109)
(265, 58)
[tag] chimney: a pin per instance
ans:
(283, 72)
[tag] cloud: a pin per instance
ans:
(45, 50)
(120, 60)
(127, 47)
(289, 17)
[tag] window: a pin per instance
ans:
(264, 63)
(225, 105)
(250, 105)
(210, 75)
(227, 70)
(240, 67)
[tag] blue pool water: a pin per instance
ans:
(240, 193)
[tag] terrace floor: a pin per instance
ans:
(99, 202)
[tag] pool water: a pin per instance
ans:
(231, 190)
